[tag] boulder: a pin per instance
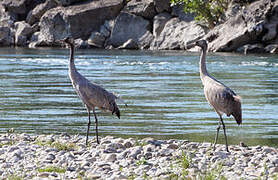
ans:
(104, 31)
(96, 40)
(20, 7)
(35, 14)
(78, 21)
(6, 18)
(22, 31)
(144, 8)
(6, 36)
(249, 26)
(162, 6)
(67, 2)
(272, 48)
(252, 48)
(20, 40)
(128, 26)
(81, 44)
(129, 44)
(176, 34)
(159, 22)
(271, 23)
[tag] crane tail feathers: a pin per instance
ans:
(237, 113)
(115, 109)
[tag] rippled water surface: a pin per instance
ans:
(162, 89)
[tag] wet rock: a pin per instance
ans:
(144, 8)
(77, 21)
(159, 22)
(23, 31)
(129, 44)
(247, 26)
(162, 6)
(176, 34)
(252, 48)
(35, 14)
(96, 40)
(128, 26)
(7, 36)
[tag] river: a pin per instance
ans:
(162, 89)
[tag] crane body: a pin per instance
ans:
(91, 94)
(223, 99)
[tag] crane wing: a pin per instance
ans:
(95, 96)
(221, 98)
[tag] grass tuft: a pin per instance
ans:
(52, 169)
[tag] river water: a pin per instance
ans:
(162, 89)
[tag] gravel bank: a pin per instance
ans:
(66, 157)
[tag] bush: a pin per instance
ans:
(210, 12)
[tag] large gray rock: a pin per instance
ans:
(67, 2)
(78, 21)
(35, 14)
(176, 34)
(20, 7)
(159, 22)
(129, 44)
(128, 26)
(6, 36)
(96, 40)
(162, 6)
(249, 26)
(22, 32)
(6, 18)
(144, 8)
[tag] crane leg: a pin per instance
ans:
(89, 123)
(217, 132)
(224, 129)
(96, 122)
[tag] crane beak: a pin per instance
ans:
(190, 45)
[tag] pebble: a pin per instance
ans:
(118, 158)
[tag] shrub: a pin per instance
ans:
(210, 12)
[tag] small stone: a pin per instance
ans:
(173, 146)
(110, 157)
(273, 170)
(192, 145)
(50, 157)
(135, 151)
(127, 144)
(12, 149)
(43, 174)
(268, 150)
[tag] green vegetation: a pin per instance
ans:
(58, 145)
(14, 177)
(142, 161)
(140, 143)
(210, 12)
(52, 169)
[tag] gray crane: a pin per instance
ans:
(92, 95)
(220, 97)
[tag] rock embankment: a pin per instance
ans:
(136, 24)
(63, 156)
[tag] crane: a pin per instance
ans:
(91, 94)
(219, 96)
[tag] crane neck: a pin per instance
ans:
(71, 59)
(203, 67)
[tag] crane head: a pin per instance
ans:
(200, 43)
(68, 40)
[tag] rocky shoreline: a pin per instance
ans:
(250, 25)
(64, 156)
